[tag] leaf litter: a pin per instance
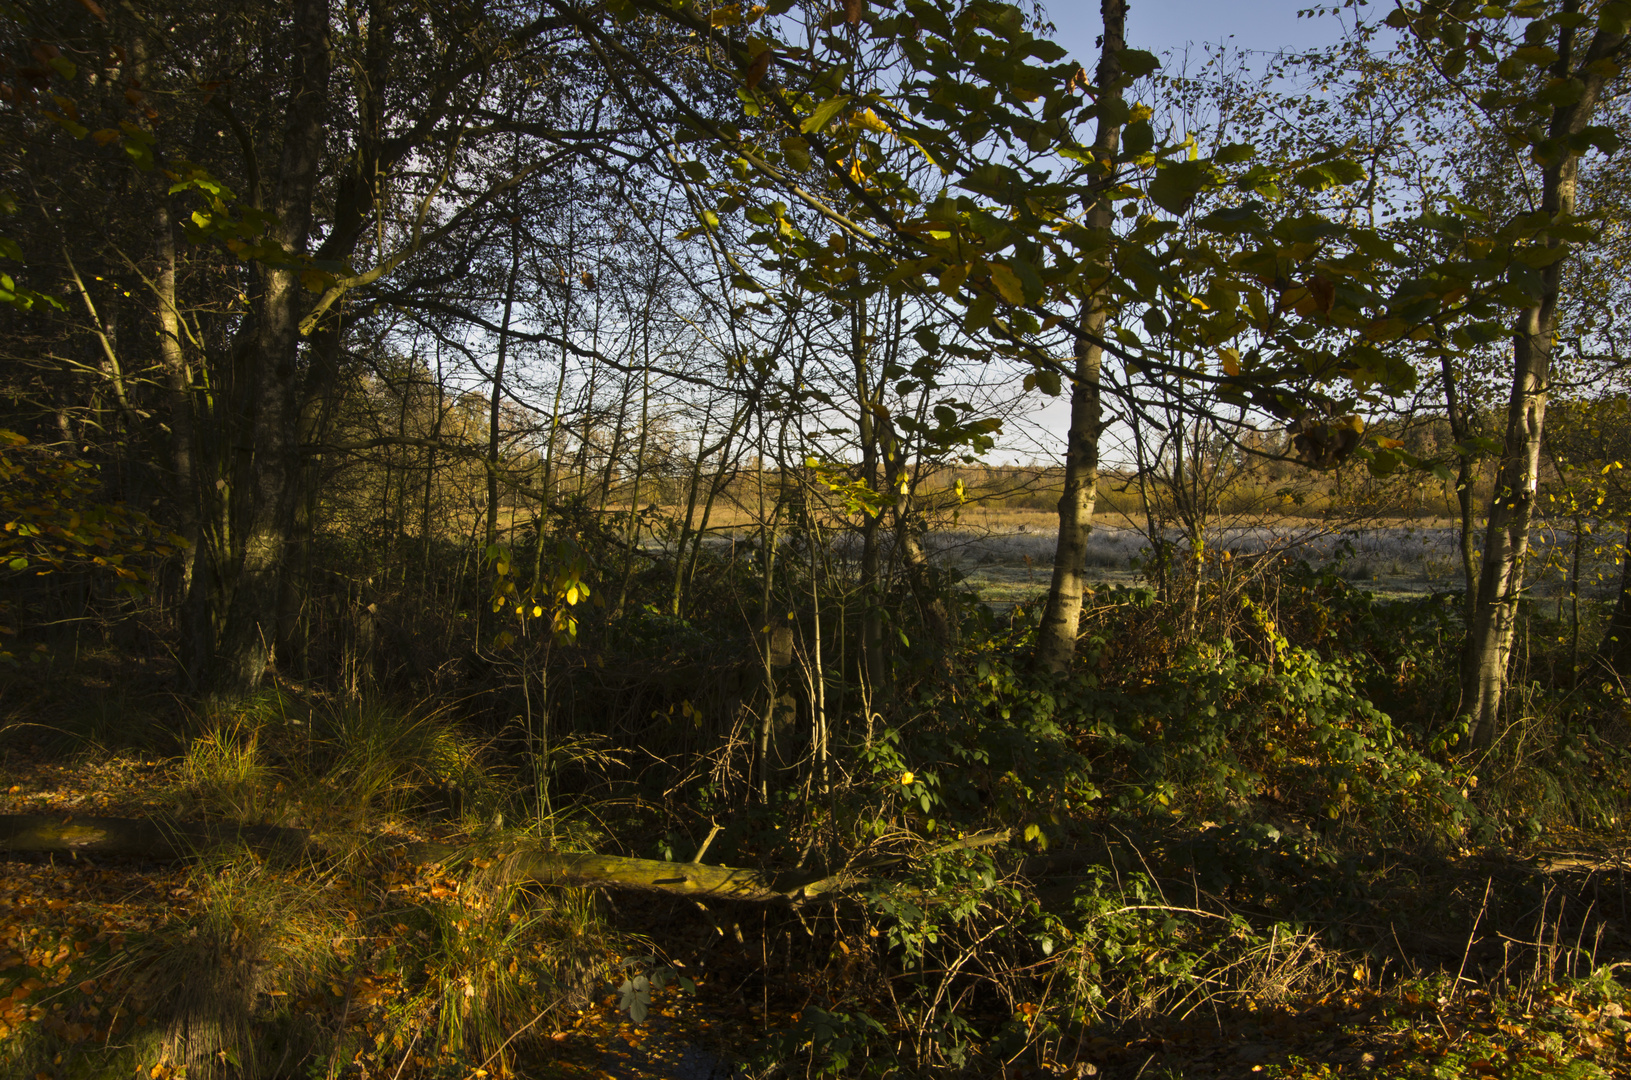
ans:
(67, 927)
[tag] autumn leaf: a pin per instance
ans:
(869, 120)
(759, 65)
(1324, 293)
(1008, 284)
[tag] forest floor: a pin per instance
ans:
(66, 925)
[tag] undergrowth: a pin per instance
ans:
(1233, 808)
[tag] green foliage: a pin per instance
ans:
(555, 586)
(52, 521)
(822, 1043)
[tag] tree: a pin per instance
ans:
(304, 196)
(1061, 618)
(1542, 91)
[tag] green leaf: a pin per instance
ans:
(1329, 174)
(1383, 463)
(1048, 52)
(822, 114)
(1177, 183)
(1233, 220)
(1137, 63)
(997, 181)
(1030, 281)
(1048, 382)
(1138, 138)
(797, 152)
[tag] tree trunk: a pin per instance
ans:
(497, 399)
(266, 493)
(193, 588)
(872, 653)
(1488, 647)
(1056, 637)
(1465, 477)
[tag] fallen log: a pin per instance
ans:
(158, 839)
(161, 840)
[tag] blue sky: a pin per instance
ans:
(1162, 25)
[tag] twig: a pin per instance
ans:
(482, 1068)
(703, 850)
(408, 1053)
(1472, 935)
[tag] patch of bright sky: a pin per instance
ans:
(1167, 28)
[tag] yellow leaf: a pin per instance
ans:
(907, 778)
(1231, 361)
(1007, 283)
(870, 120)
(721, 17)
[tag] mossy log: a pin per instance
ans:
(165, 841)
(141, 838)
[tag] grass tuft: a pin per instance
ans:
(257, 940)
